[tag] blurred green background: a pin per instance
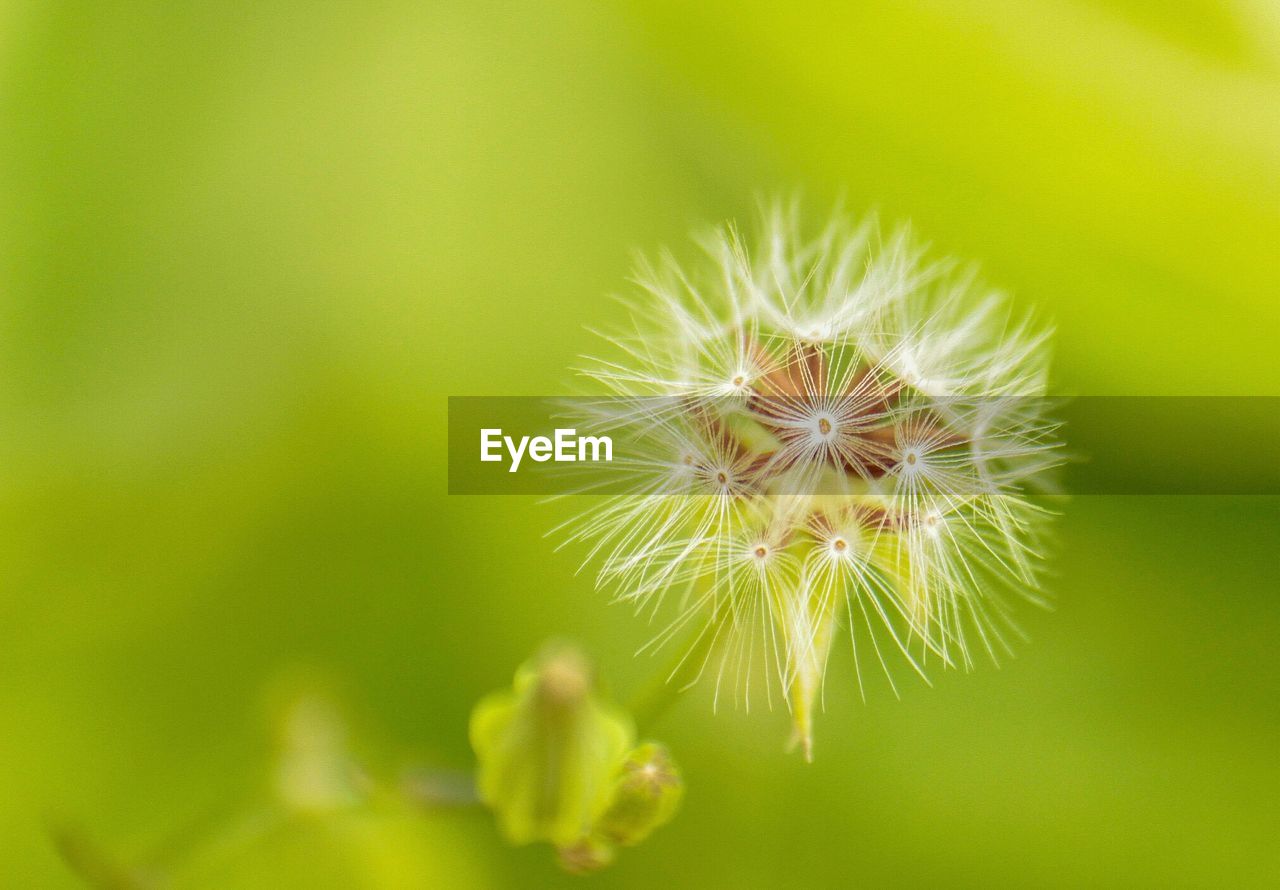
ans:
(247, 250)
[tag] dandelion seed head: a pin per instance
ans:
(858, 431)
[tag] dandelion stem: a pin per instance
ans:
(439, 789)
(664, 686)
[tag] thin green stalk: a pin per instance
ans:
(661, 690)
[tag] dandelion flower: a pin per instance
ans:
(836, 436)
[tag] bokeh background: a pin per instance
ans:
(247, 251)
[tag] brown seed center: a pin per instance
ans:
(824, 426)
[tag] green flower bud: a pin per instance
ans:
(646, 795)
(315, 771)
(548, 750)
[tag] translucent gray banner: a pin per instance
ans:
(898, 445)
